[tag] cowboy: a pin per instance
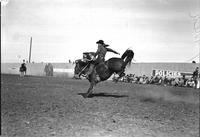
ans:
(195, 76)
(101, 52)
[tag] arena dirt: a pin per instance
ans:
(50, 106)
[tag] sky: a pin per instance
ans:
(156, 30)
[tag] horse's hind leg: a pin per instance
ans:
(121, 74)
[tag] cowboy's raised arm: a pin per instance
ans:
(110, 50)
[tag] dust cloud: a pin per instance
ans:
(167, 95)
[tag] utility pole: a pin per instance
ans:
(30, 51)
(199, 55)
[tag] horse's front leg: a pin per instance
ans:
(90, 90)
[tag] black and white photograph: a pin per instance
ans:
(100, 68)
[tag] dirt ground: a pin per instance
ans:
(54, 106)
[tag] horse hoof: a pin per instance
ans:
(87, 95)
(76, 77)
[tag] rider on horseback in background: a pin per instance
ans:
(101, 52)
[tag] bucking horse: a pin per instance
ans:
(104, 70)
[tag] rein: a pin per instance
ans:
(83, 69)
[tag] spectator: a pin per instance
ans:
(135, 80)
(190, 82)
(173, 83)
(140, 80)
(195, 76)
(145, 79)
(184, 79)
(48, 69)
(151, 80)
(165, 81)
(156, 80)
(177, 82)
(51, 69)
(23, 69)
(129, 78)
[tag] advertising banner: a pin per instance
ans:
(167, 73)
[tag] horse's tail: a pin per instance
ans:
(128, 56)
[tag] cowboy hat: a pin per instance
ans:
(100, 42)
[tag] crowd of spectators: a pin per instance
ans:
(158, 80)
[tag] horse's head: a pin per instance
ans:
(79, 66)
